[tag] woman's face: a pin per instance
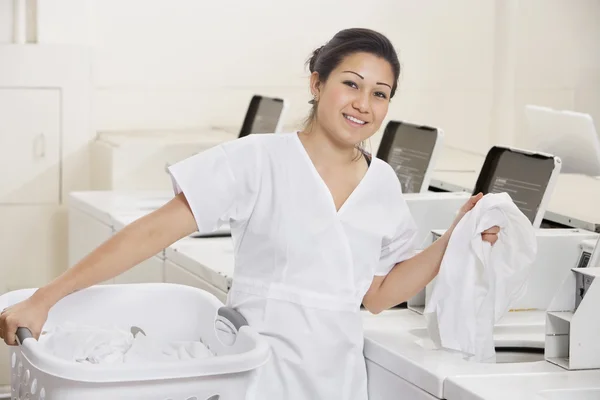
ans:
(354, 100)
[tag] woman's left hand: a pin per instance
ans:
(490, 235)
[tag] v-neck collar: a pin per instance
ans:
(320, 179)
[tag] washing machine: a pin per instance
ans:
(401, 359)
(205, 263)
(136, 160)
(571, 343)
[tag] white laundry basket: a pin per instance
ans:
(164, 311)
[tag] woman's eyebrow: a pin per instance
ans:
(361, 77)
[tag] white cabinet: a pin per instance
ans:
(175, 274)
(31, 241)
(385, 385)
(45, 129)
(30, 127)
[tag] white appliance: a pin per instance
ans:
(264, 115)
(572, 323)
(412, 151)
(95, 216)
(566, 134)
(91, 217)
(401, 360)
(528, 177)
(589, 253)
(572, 330)
(205, 263)
(558, 251)
(135, 160)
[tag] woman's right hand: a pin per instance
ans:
(31, 313)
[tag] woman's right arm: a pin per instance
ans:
(135, 243)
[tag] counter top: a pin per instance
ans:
(573, 385)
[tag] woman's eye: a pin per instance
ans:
(351, 84)
(381, 94)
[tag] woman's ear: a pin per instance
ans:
(315, 85)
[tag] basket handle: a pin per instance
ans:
(22, 334)
(233, 316)
(227, 325)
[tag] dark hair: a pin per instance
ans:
(346, 42)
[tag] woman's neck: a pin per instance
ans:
(325, 151)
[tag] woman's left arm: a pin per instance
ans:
(409, 277)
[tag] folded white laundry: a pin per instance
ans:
(102, 345)
(477, 282)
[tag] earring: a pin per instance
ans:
(313, 101)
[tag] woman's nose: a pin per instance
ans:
(361, 102)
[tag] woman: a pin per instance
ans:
(319, 228)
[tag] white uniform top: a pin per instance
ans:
(301, 267)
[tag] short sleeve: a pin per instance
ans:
(398, 248)
(220, 183)
(402, 243)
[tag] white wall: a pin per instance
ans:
(203, 69)
(6, 21)
(165, 64)
(174, 64)
(468, 65)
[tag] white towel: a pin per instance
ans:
(478, 282)
(101, 345)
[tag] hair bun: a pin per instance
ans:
(313, 59)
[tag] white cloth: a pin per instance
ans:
(477, 282)
(100, 345)
(147, 349)
(301, 267)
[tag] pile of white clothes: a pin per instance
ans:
(100, 345)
